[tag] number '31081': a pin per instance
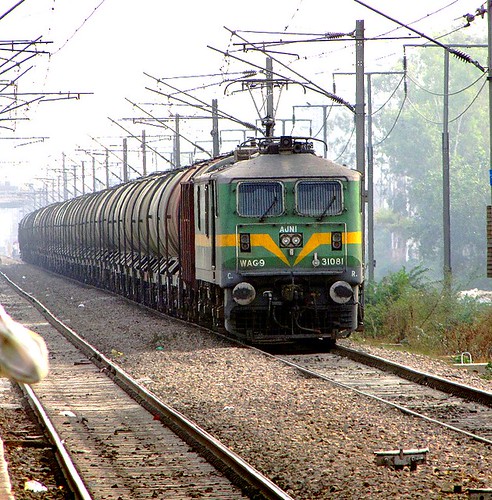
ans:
(332, 261)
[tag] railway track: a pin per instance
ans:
(462, 408)
(314, 439)
(113, 438)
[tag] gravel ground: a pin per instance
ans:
(314, 440)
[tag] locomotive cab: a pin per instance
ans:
(287, 251)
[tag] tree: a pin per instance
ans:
(412, 159)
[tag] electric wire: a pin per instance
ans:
(79, 28)
(338, 49)
(441, 94)
(390, 97)
(406, 97)
(203, 104)
(427, 16)
(11, 9)
(485, 80)
(296, 11)
(471, 103)
(167, 127)
(315, 87)
(459, 54)
(324, 121)
(402, 105)
(200, 87)
(346, 145)
(244, 73)
(425, 118)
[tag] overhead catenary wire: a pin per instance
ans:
(204, 105)
(22, 51)
(402, 105)
(346, 145)
(471, 103)
(441, 94)
(378, 37)
(180, 77)
(296, 11)
(166, 126)
(11, 9)
(414, 107)
(115, 155)
(459, 54)
(390, 97)
(310, 82)
(324, 121)
(79, 28)
(140, 140)
(427, 16)
(458, 116)
(313, 87)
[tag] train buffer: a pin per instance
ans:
(400, 458)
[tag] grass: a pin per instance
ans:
(406, 308)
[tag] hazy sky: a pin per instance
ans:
(104, 48)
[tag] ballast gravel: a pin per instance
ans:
(316, 441)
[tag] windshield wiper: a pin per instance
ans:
(274, 202)
(320, 218)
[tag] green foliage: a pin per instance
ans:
(488, 371)
(406, 308)
(410, 160)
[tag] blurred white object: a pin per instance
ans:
(34, 486)
(23, 353)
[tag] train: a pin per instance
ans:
(264, 244)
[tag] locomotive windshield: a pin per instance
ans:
(319, 198)
(260, 199)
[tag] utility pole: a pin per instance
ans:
(370, 184)
(359, 100)
(489, 207)
(83, 177)
(74, 168)
(64, 171)
(107, 167)
(269, 120)
(144, 154)
(489, 25)
(360, 120)
(177, 144)
(125, 160)
(215, 129)
(446, 198)
(94, 187)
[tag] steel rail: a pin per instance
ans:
(239, 472)
(403, 409)
(70, 472)
(422, 378)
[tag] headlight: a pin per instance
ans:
(285, 240)
(244, 293)
(341, 292)
(296, 240)
(290, 240)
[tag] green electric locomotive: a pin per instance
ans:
(265, 243)
(280, 234)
